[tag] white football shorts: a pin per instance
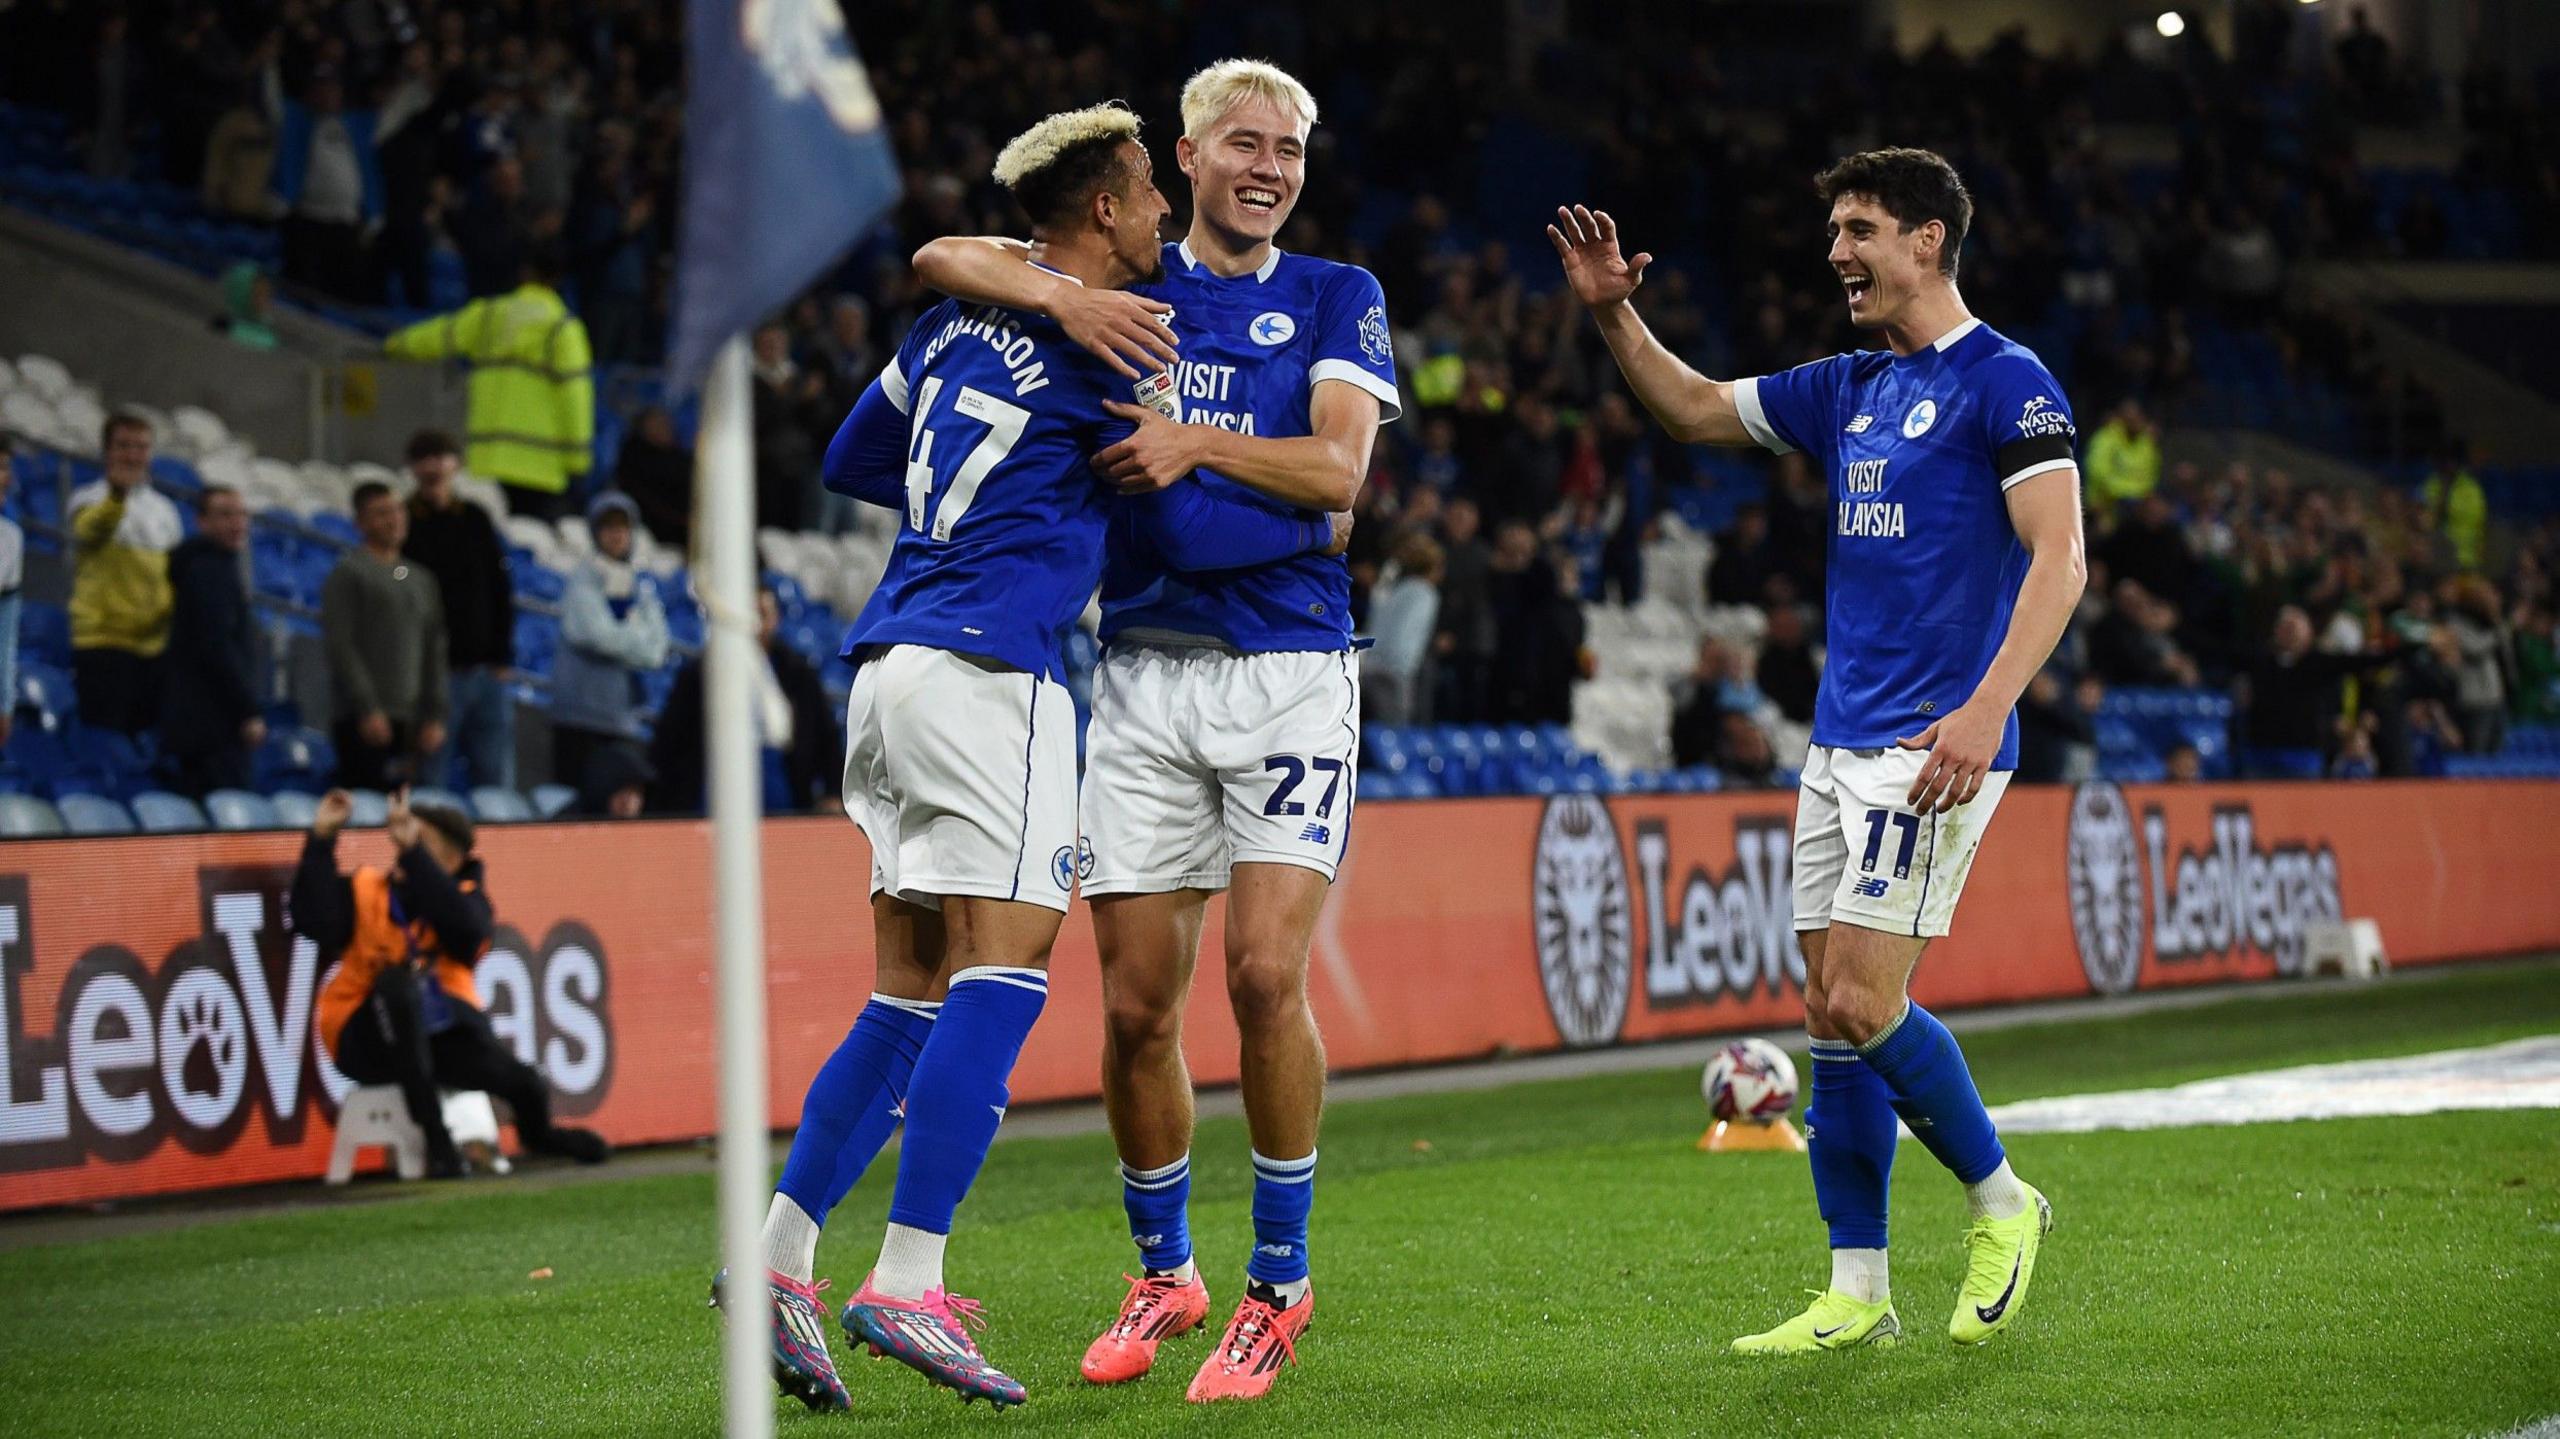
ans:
(963, 774)
(1863, 855)
(1201, 758)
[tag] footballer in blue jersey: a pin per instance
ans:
(1226, 711)
(1955, 558)
(961, 744)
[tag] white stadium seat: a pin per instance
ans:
(45, 375)
(201, 428)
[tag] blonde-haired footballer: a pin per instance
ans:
(1226, 713)
(960, 761)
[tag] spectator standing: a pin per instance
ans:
(791, 429)
(2480, 680)
(2456, 507)
(209, 717)
(2054, 733)
(248, 307)
(13, 578)
(455, 540)
(656, 471)
(2124, 459)
(383, 623)
(803, 761)
(1787, 672)
(328, 180)
(122, 531)
(1744, 560)
(533, 396)
(1466, 641)
(612, 632)
(2291, 719)
(1395, 673)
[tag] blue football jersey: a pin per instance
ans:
(1005, 518)
(1253, 350)
(1924, 571)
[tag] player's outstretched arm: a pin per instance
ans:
(1320, 471)
(1121, 328)
(2045, 511)
(1695, 409)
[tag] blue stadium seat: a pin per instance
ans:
(293, 808)
(299, 758)
(332, 525)
(552, 800)
(239, 809)
(430, 794)
(93, 814)
(24, 815)
(372, 808)
(159, 812)
(44, 631)
(493, 804)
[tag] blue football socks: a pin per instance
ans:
(958, 1095)
(1851, 1131)
(1159, 1206)
(1933, 1092)
(1284, 1190)
(855, 1103)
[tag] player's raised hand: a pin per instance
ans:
(1128, 332)
(1159, 453)
(1961, 748)
(1587, 241)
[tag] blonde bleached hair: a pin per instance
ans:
(1040, 146)
(1209, 95)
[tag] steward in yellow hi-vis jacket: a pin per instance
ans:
(401, 1007)
(533, 394)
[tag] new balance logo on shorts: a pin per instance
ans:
(1871, 888)
(1316, 834)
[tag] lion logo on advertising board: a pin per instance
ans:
(1585, 931)
(2103, 863)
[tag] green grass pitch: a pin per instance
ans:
(1550, 1258)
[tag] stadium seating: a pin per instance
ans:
(293, 809)
(240, 809)
(23, 815)
(427, 794)
(93, 814)
(550, 801)
(493, 805)
(158, 812)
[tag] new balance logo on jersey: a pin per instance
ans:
(1317, 834)
(1870, 888)
(1859, 425)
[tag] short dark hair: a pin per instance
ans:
(366, 494)
(426, 444)
(445, 820)
(121, 421)
(1059, 191)
(206, 496)
(1913, 186)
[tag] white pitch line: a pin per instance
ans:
(2519, 1074)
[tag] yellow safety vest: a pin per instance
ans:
(533, 395)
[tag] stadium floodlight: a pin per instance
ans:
(2171, 24)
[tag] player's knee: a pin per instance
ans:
(1857, 1012)
(1141, 1022)
(1265, 988)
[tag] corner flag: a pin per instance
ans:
(785, 165)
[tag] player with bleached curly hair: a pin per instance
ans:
(1226, 712)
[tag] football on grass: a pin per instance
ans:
(1750, 1081)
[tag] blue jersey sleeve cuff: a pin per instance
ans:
(1746, 403)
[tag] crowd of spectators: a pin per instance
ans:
(542, 137)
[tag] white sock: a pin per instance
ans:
(1291, 1292)
(1999, 1196)
(1183, 1271)
(910, 1262)
(790, 1239)
(1860, 1274)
